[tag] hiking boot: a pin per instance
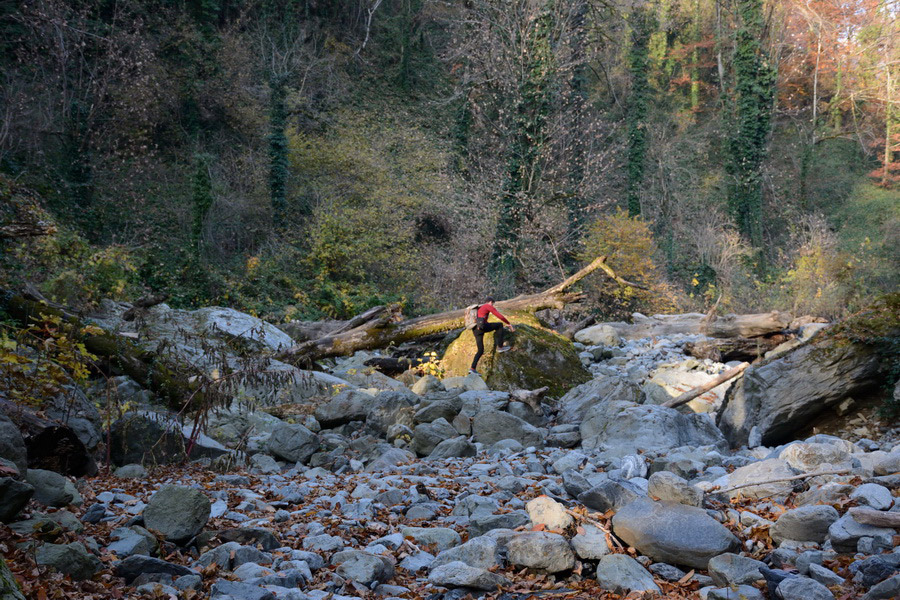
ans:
(504, 348)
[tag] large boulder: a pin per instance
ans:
(623, 428)
(782, 395)
(293, 442)
(673, 533)
(14, 495)
(804, 524)
(540, 550)
(12, 446)
(177, 512)
(146, 437)
(599, 335)
(50, 488)
(491, 426)
(621, 574)
(70, 559)
(539, 358)
(9, 587)
(348, 405)
(771, 473)
(577, 401)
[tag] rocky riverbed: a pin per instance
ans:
(424, 488)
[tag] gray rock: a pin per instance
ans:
(442, 409)
(390, 459)
(9, 587)
(14, 495)
(599, 335)
(620, 574)
(362, 567)
(780, 396)
(804, 524)
(71, 559)
(442, 538)
(591, 544)
(294, 443)
(546, 511)
(845, 534)
(814, 457)
(237, 590)
(610, 495)
(132, 540)
(231, 555)
(873, 495)
(874, 570)
(482, 524)
(427, 436)
(673, 533)
(824, 576)
(475, 506)
(391, 409)
(417, 562)
(131, 472)
(741, 592)
(576, 402)
(575, 483)
(12, 446)
(764, 470)
(263, 463)
(732, 569)
(144, 437)
(803, 588)
(625, 428)
(427, 384)
(459, 574)
(458, 447)
(669, 487)
(889, 589)
(480, 552)
(49, 488)
(257, 537)
(177, 512)
(323, 543)
(540, 550)
(348, 405)
(491, 426)
(667, 572)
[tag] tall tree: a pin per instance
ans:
(752, 104)
(638, 104)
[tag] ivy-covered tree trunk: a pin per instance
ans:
(532, 109)
(578, 86)
(637, 106)
(202, 200)
(278, 147)
(753, 102)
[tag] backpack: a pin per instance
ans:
(471, 318)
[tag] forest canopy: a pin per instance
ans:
(306, 159)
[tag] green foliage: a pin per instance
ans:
(753, 101)
(638, 105)
(202, 198)
(278, 148)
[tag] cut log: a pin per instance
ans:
(741, 348)
(702, 389)
(383, 331)
(728, 326)
(878, 518)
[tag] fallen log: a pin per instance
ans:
(143, 304)
(779, 480)
(726, 350)
(390, 366)
(878, 518)
(728, 326)
(702, 389)
(381, 332)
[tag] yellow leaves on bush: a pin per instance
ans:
(38, 361)
(628, 244)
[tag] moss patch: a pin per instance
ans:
(540, 357)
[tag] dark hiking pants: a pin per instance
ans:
(478, 331)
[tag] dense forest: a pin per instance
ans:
(309, 158)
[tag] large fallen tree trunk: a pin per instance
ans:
(116, 353)
(741, 348)
(728, 326)
(384, 326)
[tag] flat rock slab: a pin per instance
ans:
(540, 550)
(621, 574)
(804, 524)
(673, 533)
(459, 574)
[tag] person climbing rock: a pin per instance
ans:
(482, 326)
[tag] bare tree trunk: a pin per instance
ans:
(380, 331)
(702, 389)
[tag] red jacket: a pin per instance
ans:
(486, 309)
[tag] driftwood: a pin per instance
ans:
(530, 397)
(384, 328)
(878, 518)
(728, 326)
(702, 389)
(779, 480)
(740, 348)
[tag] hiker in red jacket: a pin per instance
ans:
(482, 326)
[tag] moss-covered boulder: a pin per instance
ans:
(539, 357)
